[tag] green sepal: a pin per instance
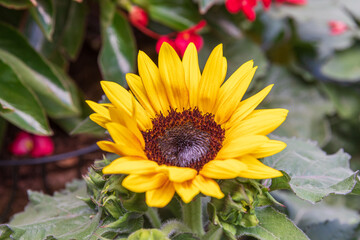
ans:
(123, 221)
(113, 206)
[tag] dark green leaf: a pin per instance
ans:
(273, 225)
(117, 56)
(185, 236)
(313, 174)
(68, 36)
(39, 75)
(74, 29)
(179, 15)
(344, 65)
(308, 108)
(16, 4)
(43, 13)
(27, 113)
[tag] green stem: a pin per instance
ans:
(153, 217)
(192, 216)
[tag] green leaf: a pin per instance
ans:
(346, 100)
(344, 65)
(38, 74)
(43, 13)
(68, 35)
(273, 225)
(62, 216)
(178, 15)
(308, 108)
(74, 28)
(331, 230)
(88, 126)
(27, 113)
(325, 220)
(117, 55)
(16, 4)
(313, 174)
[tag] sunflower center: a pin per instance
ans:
(184, 139)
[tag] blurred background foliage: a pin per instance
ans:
(311, 51)
(313, 60)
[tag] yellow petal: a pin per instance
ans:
(259, 122)
(211, 80)
(117, 95)
(143, 183)
(268, 149)
(222, 169)
(178, 174)
(130, 165)
(138, 89)
(160, 197)
(173, 77)
(123, 100)
(240, 146)
(192, 73)
(119, 117)
(247, 106)
(186, 190)
(208, 186)
(154, 87)
(123, 136)
(99, 119)
(121, 149)
(101, 110)
(232, 92)
(257, 170)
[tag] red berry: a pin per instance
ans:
(138, 16)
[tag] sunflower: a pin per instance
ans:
(178, 130)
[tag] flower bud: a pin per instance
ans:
(22, 144)
(148, 234)
(138, 16)
(43, 146)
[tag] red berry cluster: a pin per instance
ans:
(35, 145)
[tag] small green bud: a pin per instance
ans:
(97, 178)
(148, 234)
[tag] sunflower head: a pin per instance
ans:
(179, 129)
